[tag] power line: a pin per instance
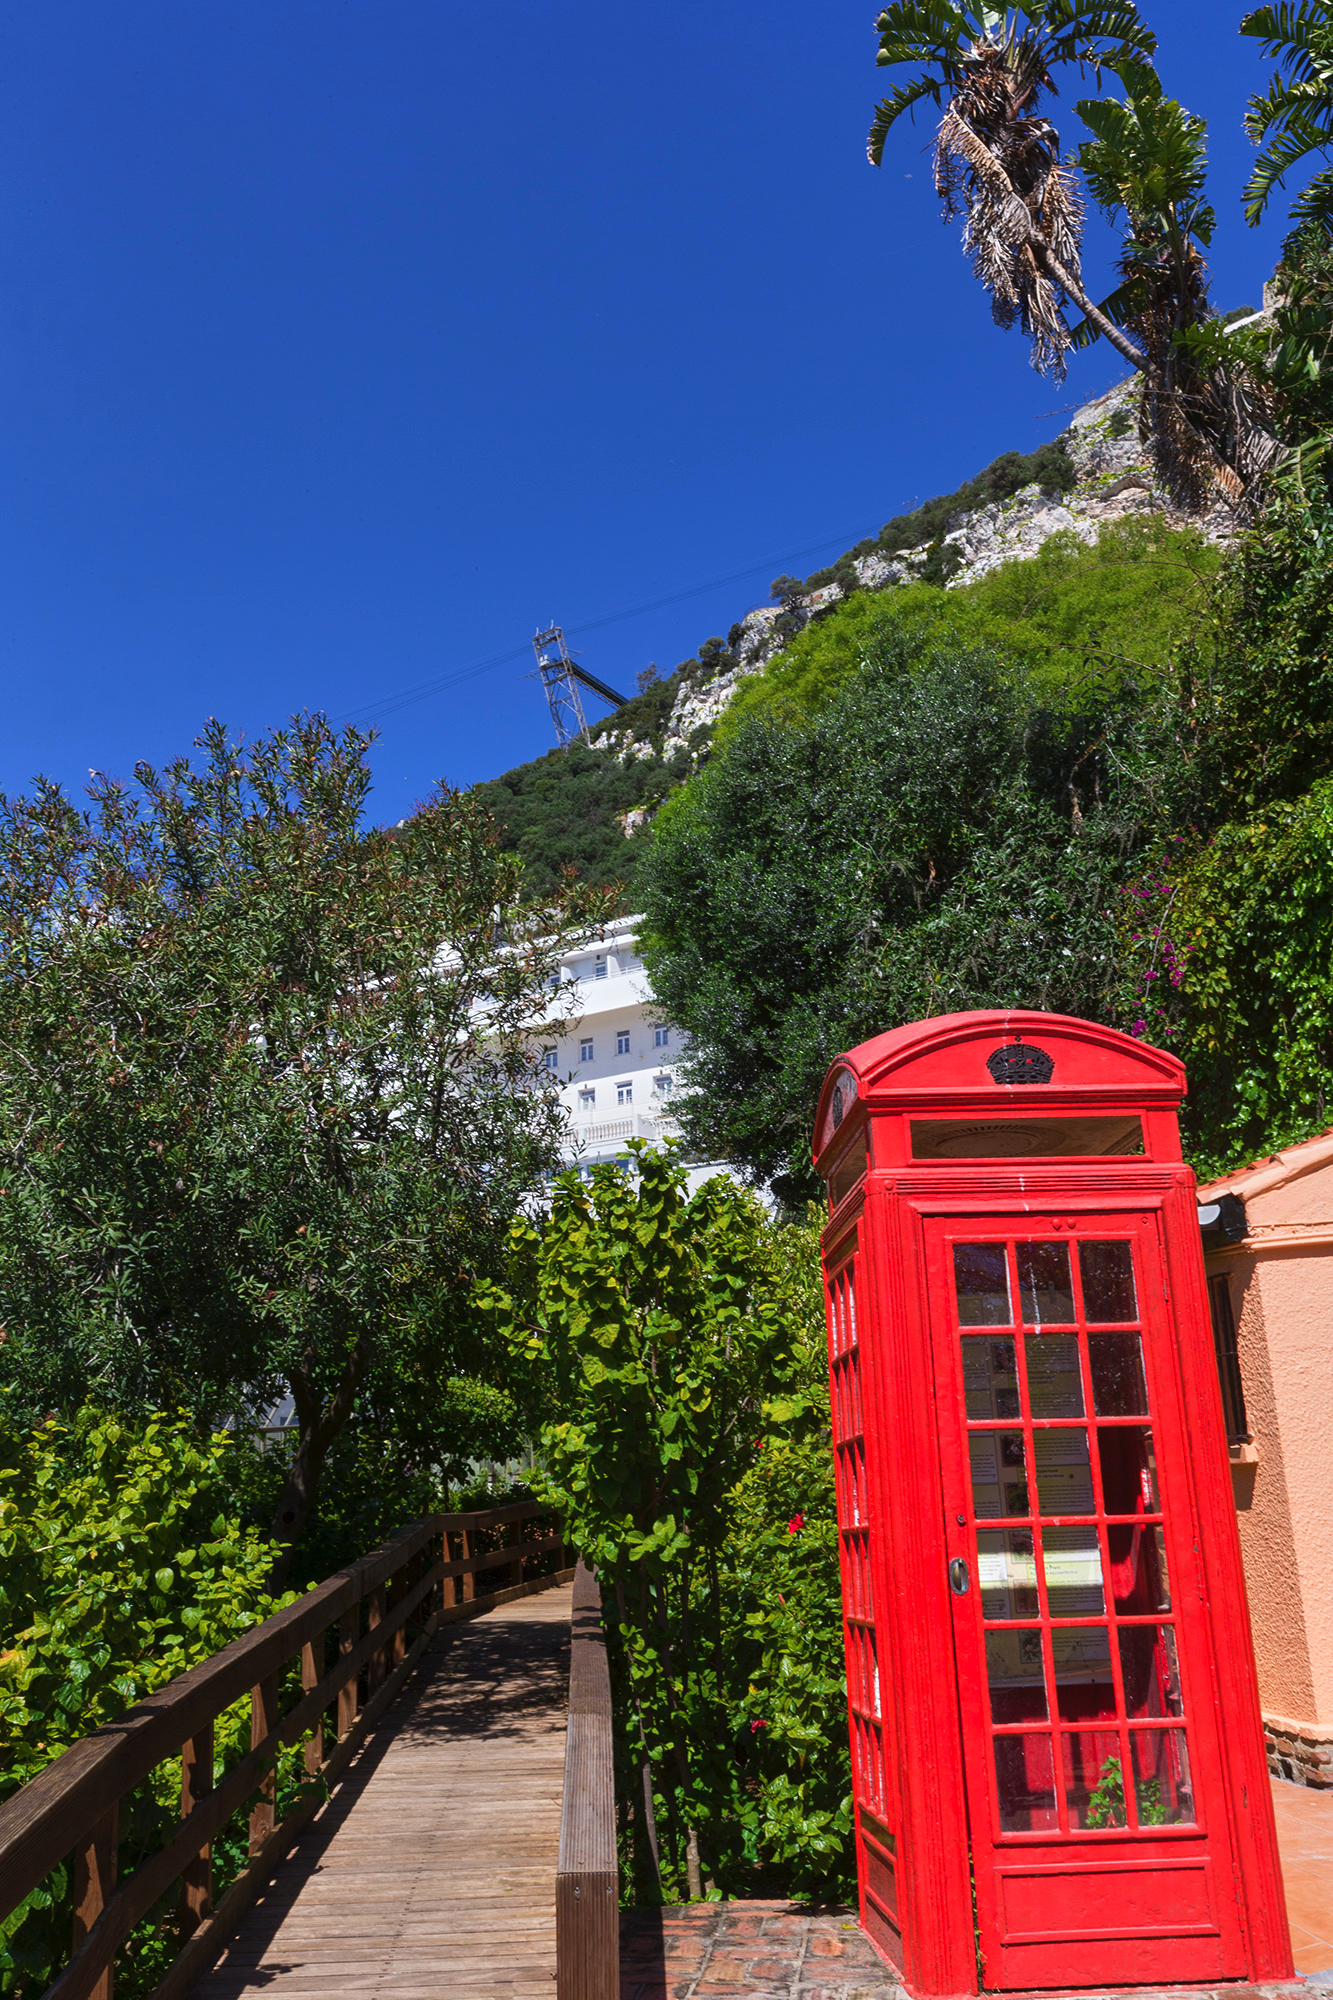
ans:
(390, 704)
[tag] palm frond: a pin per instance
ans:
(923, 31)
(1072, 27)
(1294, 144)
(1281, 103)
(1291, 32)
(890, 109)
(1315, 205)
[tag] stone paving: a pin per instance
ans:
(749, 1951)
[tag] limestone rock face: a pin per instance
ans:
(1114, 478)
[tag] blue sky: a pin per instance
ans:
(343, 344)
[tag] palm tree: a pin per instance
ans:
(1204, 422)
(1296, 113)
(997, 158)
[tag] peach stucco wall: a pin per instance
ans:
(1281, 1284)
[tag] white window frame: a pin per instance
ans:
(625, 1091)
(585, 1051)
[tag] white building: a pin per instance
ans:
(614, 1055)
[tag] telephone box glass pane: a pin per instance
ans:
(1045, 1290)
(1084, 1688)
(1162, 1789)
(1139, 1582)
(1055, 1386)
(999, 1474)
(1107, 1270)
(1064, 1477)
(1094, 1779)
(1073, 1563)
(1150, 1671)
(1025, 1782)
(990, 1378)
(1129, 1469)
(981, 1279)
(1007, 1573)
(1118, 1386)
(1015, 1676)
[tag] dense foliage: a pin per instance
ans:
(678, 1347)
(122, 1563)
(272, 1092)
(1070, 611)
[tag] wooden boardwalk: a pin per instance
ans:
(432, 1872)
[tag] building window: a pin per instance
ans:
(622, 1041)
(662, 1085)
(661, 1038)
(1228, 1360)
(552, 1058)
(625, 1093)
(585, 1051)
(599, 970)
(587, 1100)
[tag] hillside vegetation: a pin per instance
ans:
(1103, 593)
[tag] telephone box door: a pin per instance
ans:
(1098, 1822)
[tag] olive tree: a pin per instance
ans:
(272, 1089)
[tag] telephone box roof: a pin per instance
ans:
(976, 1063)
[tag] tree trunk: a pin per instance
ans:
(319, 1424)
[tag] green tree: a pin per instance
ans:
(1207, 421)
(660, 1328)
(272, 1092)
(931, 839)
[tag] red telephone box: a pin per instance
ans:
(1058, 1764)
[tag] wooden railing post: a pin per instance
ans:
(196, 1898)
(312, 1672)
(587, 1920)
(94, 1880)
(469, 1580)
(397, 1646)
(263, 1718)
(375, 1675)
(349, 1631)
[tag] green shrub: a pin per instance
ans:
(122, 1564)
(1057, 618)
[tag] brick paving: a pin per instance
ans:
(749, 1951)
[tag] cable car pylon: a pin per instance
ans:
(562, 677)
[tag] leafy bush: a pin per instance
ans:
(121, 1565)
(677, 1349)
(1229, 943)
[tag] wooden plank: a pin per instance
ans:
(41, 1824)
(433, 1867)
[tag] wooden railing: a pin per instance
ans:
(587, 1906)
(414, 1581)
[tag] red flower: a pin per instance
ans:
(796, 1523)
(754, 1726)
